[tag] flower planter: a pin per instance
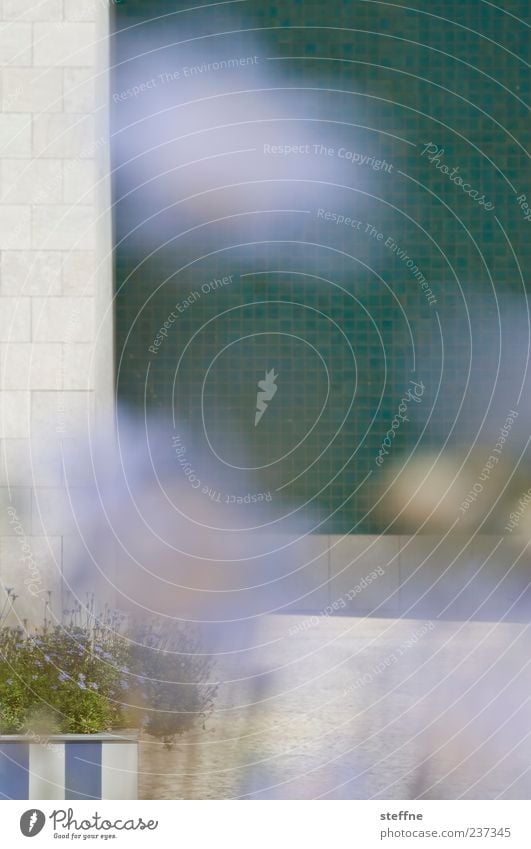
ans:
(69, 766)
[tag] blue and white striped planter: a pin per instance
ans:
(69, 766)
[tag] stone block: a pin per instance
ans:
(63, 227)
(63, 319)
(32, 90)
(66, 44)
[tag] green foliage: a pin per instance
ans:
(85, 676)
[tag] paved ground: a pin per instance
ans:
(353, 708)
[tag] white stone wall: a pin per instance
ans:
(56, 341)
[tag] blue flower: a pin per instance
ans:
(94, 686)
(64, 676)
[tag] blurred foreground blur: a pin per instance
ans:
(421, 692)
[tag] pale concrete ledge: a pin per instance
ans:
(459, 577)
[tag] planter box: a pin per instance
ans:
(69, 766)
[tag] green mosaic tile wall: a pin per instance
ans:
(334, 308)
